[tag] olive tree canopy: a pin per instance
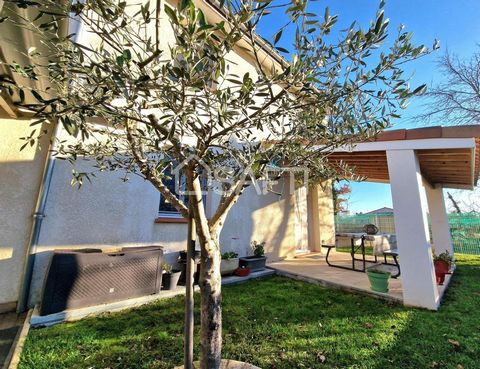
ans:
(136, 102)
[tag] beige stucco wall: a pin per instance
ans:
(326, 213)
(321, 220)
(279, 220)
(107, 212)
(111, 213)
(20, 176)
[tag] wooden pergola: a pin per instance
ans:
(418, 164)
(449, 167)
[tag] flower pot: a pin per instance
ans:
(183, 265)
(242, 272)
(378, 280)
(228, 266)
(442, 267)
(255, 263)
(183, 256)
(196, 273)
(170, 280)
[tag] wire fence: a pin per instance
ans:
(464, 228)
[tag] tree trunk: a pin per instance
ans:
(211, 305)
(210, 278)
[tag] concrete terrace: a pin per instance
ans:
(312, 268)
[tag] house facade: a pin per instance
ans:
(40, 211)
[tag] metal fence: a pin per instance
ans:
(465, 228)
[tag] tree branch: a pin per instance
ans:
(142, 163)
(225, 205)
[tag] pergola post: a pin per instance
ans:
(442, 240)
(411, 226)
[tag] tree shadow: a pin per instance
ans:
(446, 338)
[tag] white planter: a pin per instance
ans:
(228, 266)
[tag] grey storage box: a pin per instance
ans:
(80, 278)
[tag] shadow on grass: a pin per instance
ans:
(278, 323)
(447, 338)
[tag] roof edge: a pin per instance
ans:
(468, 131)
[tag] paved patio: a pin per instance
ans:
(313, 268)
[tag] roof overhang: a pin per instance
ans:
(15, 41)
(448, 156)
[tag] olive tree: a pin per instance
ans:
(132, 102)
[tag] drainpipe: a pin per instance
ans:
(38, 216)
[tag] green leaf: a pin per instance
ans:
(185, 4)
(37, 96)
(119, 60)
(277, 36)
(69, 126)
(420, 90)
(379, 23)
(21, 93)
(124, 58)
(201, 18)
(171, 14)
(281, 49)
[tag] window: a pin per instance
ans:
(167, 210)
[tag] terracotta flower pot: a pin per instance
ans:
(242, 272)
(442, 267)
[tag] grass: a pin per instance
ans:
(358, 251)
(280, 323)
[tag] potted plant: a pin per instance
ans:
(170, 277)
(183, 256)
(257, 261)
(242, 271)
(229, 263)
(378, 279)
(182, 260)
(442, 263)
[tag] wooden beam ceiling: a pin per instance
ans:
(453, 167)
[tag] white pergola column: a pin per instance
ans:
(411, 227)
(442, 240)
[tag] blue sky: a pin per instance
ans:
(456, 23)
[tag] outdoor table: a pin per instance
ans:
(362, 237)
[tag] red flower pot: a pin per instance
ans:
(442, 267)
(242, 272)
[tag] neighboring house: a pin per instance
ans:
(383, 210)
(109, 212)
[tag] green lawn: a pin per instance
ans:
(348, 249)
(281, 323)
